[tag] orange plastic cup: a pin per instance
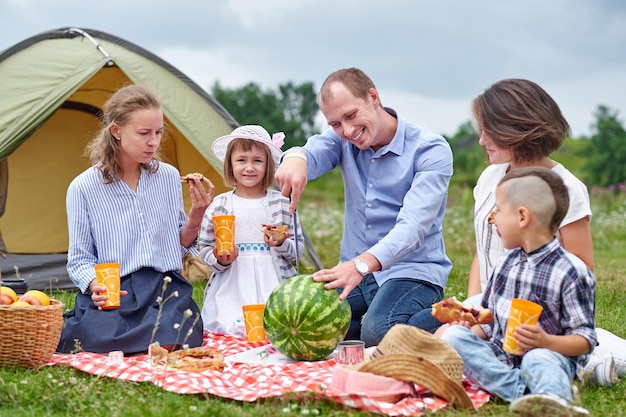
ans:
(253, 318)
(224, 227)
(522, 312)
(108, 276)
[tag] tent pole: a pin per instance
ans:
(100, 48)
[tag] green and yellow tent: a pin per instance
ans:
(52, 87)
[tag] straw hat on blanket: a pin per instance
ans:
(413, 355)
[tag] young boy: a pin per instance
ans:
(530, 204)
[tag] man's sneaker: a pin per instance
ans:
(600, 369)
(535, 405)
(609, 342)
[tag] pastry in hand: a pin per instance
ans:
(451, 309)
(277, 232)
(191, 177)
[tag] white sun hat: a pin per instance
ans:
(253, 132)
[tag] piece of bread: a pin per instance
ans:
(451, 309)
(191, 177)
(276, 232)
(196, 359)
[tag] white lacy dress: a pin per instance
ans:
(249, 280)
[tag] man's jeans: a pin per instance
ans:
(542, 371)
(398, 300)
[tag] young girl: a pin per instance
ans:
(258, 263)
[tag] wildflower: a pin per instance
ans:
(186, 314)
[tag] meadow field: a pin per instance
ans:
(62, 391)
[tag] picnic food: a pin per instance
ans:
(305, 321)
(35, 298)
(7, 296)
(191, 177)
(451, 309)
(196, 359)
(492, 217)
(276, 232)
(21, 303)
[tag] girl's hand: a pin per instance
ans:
(226, 258)
(269, 241)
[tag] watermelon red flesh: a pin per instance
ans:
(303, 320)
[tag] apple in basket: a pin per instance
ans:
(7, 296)
(35, 298)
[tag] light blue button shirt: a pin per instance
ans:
(112, 223)
(395, 199)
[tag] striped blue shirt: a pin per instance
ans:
(552, 277)
(112, 223)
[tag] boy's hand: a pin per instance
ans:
(531, 336)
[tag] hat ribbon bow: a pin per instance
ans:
(278, 139)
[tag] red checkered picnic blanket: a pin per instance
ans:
(252, 381)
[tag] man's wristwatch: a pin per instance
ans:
(361, 266)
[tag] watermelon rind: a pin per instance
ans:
(303, 320)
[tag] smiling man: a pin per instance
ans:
(396, 174)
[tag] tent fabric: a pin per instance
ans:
(52, 88)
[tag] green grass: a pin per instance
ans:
(65, 391)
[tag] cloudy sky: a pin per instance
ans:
(428, 58)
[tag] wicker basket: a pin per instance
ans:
(29, 335)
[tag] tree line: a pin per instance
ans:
(598, 160)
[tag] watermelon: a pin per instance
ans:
(303, 320)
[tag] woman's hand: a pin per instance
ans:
(97, 289)
(200, 198)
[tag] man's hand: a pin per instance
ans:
(291, 178)
(343, 276)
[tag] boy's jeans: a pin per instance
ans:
(542, 371)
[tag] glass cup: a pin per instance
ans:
(253, 319)
(108, 276)
(224, 228)
(522, 312)
(350, 352)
